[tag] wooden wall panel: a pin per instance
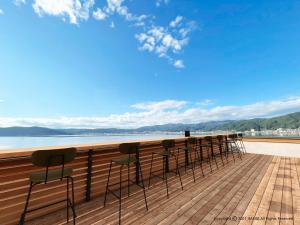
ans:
(16, 167)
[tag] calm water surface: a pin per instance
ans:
(27, 142)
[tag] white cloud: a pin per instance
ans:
(112, 24)
(99, 14)
(169, 111)
(19, 2)
(74, 9)
(166, 42)
(174, 23)
(205, 102)
(160, 106)
(179, 64)
(1, 100)
(1, 12)
(159, 2)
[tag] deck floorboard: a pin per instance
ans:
(259, 189)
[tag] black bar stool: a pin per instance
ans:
(223, 150)
(204, 148)
(241, 142)
(210, 146)
(132, 151)
(232, 140)
(48, 159)
(169, 151)
(190, 147)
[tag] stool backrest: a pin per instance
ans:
(48, 158)
(168, 143)
(129, 148)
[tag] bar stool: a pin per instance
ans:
(201, 148)
(210, 145)
(240, 140)
(169, 151)
(132, 152)
(48, 159)
(223, 150)
(232, 140)
(190, 147)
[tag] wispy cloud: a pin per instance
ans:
(1, 12)
(75, 10)
(99, 14)
(165, 41)
(159, 2)
(205, 102)
(19, 2)
(1, 100)
(162, 112)
(160, 106)
(179, 64)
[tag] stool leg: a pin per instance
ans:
(73, 201)
(177, 164)
(106, 191)
(150, 172)
(221, 153)
(128, 182)
(214, 157)
(209, 160)
(239, 150)
(199, 160)
(22, 219)
(192, 166)
(165, 176)
(225, 152)
(143, 185)
(120, 195)
(68, 200)
(232, 152)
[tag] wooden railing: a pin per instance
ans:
(90, 175)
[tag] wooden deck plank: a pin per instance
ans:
(263, 209)
(287, 199)
(197, 195)
(251, 210)
(275, 205)
(259, 185)
(243, 203)
(224, 208)
(217, 195)
(296, 190)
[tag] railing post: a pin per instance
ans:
(89, 175)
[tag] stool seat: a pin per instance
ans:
(40, 177)
(125, 160)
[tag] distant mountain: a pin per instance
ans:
(30, 131)
(287, 121)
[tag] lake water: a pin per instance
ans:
(27, 142)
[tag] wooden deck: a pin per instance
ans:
(259, 189)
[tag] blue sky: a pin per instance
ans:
(114, 63)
